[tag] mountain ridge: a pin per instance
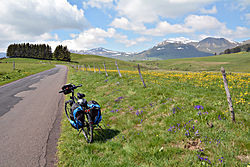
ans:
(170, 49)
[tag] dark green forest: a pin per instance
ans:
(38, 51)
(242, 48)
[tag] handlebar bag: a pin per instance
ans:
(95, 112)
(67, 89)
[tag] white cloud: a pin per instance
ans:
(37, 17)
(98, 4)
(209, 11)
(164, 28)
(94, 37)
(89, 38)
(199, 23)
(124, 40)
(31, 20)
(238, 33)
(125, 24)
(147, 11)
(192, 24)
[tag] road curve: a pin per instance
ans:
(30, 114)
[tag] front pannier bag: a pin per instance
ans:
(95, 112)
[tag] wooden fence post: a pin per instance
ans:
(141, 76)
(105, 69)
(99, 69)
(14, 66)
(118, 69)
(85, 67)
(82, 68)
(230, 104)
(89, 68)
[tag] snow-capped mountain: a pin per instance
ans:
(181, 40)
(171, 49)
(103, 52)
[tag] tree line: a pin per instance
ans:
(38, 51)
(237, 49)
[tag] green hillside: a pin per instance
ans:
(99, 60)
(238, 62)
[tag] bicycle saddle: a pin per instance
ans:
(80, 95)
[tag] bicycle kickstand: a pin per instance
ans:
(80, 131)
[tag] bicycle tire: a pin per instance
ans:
(67, 110)
(87, 130)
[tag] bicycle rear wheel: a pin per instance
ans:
(87, 130)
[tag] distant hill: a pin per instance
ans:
(241, 48)
(215, 45)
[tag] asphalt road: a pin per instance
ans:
(30, 114)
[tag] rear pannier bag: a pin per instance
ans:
(95, 112)
(76, 116)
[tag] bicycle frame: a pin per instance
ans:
(86, 126)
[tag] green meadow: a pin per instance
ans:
(23, 67)
(237, 62)
(179, 119)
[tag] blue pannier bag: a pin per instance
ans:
(76, 116)
(95, 112)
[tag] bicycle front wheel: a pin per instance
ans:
(87, 130)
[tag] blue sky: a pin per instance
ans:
(122, 25)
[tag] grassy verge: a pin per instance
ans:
(23, 68)
(180, 119)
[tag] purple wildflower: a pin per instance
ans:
(198, 107)
(119, 98)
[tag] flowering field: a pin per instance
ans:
(180, 119)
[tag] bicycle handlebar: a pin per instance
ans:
(74, 87)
